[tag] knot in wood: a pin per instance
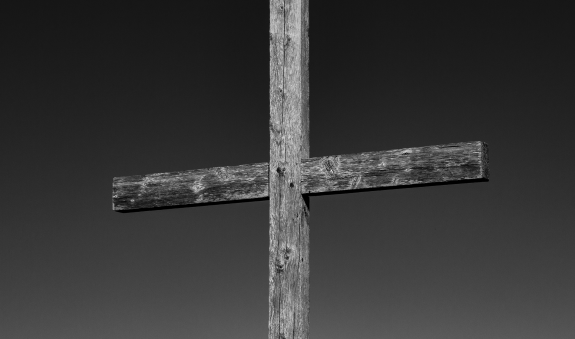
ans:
(282, 258)
(281, 170)
(197, 186)
(274, 128)
(287, 251)
(330, 165)
(279, 265)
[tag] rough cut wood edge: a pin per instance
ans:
(417, 166)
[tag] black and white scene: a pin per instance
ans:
(287, 169)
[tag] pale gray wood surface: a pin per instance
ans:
(184, 188)
(291, 177)
(441, 164)
(289, 144)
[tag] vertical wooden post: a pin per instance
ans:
(289, 143)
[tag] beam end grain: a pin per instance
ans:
(484, 161)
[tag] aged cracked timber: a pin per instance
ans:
(451, 163)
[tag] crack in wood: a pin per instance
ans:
(355, 182)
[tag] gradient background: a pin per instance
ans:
(91, 92)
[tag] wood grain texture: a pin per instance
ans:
(430, 165)
(440, 164)
(289, 144)
(185, 188)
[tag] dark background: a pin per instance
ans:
(96, 91)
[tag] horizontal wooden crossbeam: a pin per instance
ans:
(431, 165)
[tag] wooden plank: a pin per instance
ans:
(289, 144)
(431, 165)
(185, 188)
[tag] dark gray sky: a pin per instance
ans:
(93, 92)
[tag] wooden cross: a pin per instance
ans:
(291, 176)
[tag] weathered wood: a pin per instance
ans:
(289, 144)
(440, 164)
(431, 165)
(201, 186)
(291, 177)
